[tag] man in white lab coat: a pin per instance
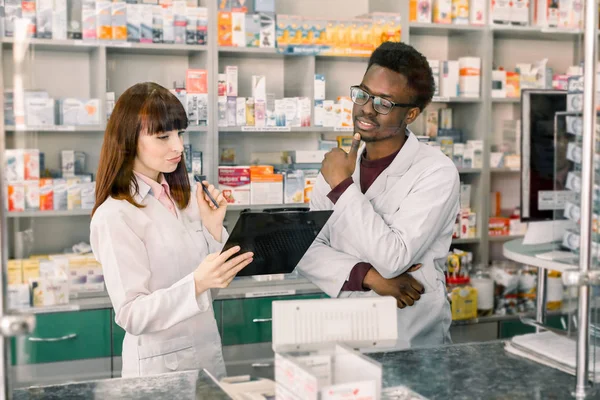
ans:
(394, 201)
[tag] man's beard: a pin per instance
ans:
(388, 134)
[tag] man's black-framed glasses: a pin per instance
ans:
(382, 106)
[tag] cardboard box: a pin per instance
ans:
(39, 112)
(15, 272)
(179, 22)
(460, 12)
(46, 194)
(294, 187)
(231, 74)
(310, 180)
(225, 24)
(102, 27)
(14, 164)
(266, 188)
(420, 11)
(470, 77)
(16, 197)
(240, 111)
(498, 226)
(44, 18)
(32, 195)
(234, 183)
(238, 29)
(519, 13)
(500, 10)
(319, 87)
(267, 30)
(449, 76)
(60, 192)
(31, 270)
(168, 20)
(134, 22)
(157, 24)
(146, 23)
(74, 18)
(442, 11)
(477, 12)
(499, 84)
(465, 196)
(252, 27)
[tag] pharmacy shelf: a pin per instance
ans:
(469, 170)
(111, 46)
(262, 207)
(57, 128)
(75, 46)
(197, 128)
(443, 29)
(534, 33)
(37, 214)
(165, 49)
(506, 100)
(439, 99)
(505, 238)
(250, 52)
(466, 241)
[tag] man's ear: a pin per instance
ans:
(412, 115)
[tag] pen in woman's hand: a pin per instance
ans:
(198, 179)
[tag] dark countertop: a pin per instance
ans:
(473, 371)
(463, 371)
(192, 385)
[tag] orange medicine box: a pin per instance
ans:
(46, 194)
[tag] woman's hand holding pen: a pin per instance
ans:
(212, 216)
(215, 272)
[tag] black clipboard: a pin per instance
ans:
(279, 238)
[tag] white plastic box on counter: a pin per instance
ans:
(314, 356)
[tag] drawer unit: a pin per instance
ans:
(245, 321)
(64, 337)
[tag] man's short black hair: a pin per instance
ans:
(404, 59)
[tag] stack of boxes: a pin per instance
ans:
(254, 24)
(459, 12)
(150, 21)
(247, 23)
(262, 109)
(461, 78)
(465, 226)
(263, 185)
(40, 110)
(26, 191)
(49, 280)
(565, 14)
(330, 113)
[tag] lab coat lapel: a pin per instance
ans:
(397, 168)
(143, 196)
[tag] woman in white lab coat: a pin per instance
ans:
(158, 239)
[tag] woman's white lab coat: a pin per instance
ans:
(406, 217)
(148, 257)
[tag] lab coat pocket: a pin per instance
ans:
(172, 355)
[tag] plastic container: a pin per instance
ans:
(463, 298)
(483, 282)
(554, 291)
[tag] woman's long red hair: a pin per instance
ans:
(151, 109)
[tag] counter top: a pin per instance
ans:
(527, 254)
(473, 371)
(192, 385)
(465, 371)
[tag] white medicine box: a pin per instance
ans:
(313, 341)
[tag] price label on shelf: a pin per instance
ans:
(68, 128)
(439, 99)
(118, 44)
(344, 129)
(266, 129)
